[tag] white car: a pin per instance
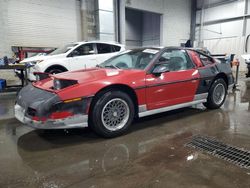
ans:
(73, 56)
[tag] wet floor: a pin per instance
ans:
(152, 154)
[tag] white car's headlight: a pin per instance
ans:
(32, 63)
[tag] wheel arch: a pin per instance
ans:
(117, 87)
(223, 76)
(56, 66)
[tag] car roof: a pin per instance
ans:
(149, 47)
(99, 41)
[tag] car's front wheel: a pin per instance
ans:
(55, 70)
(112, 113)
(217, 94)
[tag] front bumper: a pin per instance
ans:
(77, 121)
(42, 109)
(30, 74)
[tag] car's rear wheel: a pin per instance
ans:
(112, 113)
(217, 94)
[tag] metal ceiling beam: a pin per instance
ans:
(206, 6)
(225, 20)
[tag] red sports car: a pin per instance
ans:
(135, 83)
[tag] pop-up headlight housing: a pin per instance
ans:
(41, 75)
(62, 83)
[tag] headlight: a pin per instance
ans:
(57, 84)
(32, 63)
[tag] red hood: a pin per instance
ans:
(97, 76)
(89, 75)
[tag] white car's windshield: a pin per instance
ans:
(63, 49)
(132, 59)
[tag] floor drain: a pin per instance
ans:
(216, 148)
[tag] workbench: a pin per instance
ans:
(24, 80)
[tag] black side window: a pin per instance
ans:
(205, 60)
(104, 48)
(85, 49)
(116, 48)
(176, 60)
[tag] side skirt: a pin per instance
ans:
(198, 99)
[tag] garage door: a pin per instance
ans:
(39, 23)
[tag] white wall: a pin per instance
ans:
(38, 23)
(3, 31)
(221, 30)
(176, 18)
(176, 22)
(225, 36)
(50, 23)
(229, 10)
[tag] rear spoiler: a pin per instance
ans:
(224, 57)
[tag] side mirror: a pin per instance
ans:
(160, 68)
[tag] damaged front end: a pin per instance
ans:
(43, 109)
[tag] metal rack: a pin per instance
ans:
(24, 80)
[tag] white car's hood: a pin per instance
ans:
(42, 57)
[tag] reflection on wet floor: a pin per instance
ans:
(5, 103)
(152, 154)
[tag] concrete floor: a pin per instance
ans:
(152, 154)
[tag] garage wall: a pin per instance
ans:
(3, 41)
(134, 23)
(175, 20)
(142, 28)
(223, 11)
(39, 23)
(225, 28)
(151, 32)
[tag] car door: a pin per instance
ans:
(177, 85)
(106, 51)
(83, 57)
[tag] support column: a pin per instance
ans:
(193, 21)
(122, 20)
(245, 18)
(88, 20)
(105, 20)
(201, 30)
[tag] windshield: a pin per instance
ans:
(63, 49)
(131, 59)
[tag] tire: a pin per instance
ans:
(217, 94)
(55, 70)
(112, 113)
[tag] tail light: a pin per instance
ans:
(61, 84)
